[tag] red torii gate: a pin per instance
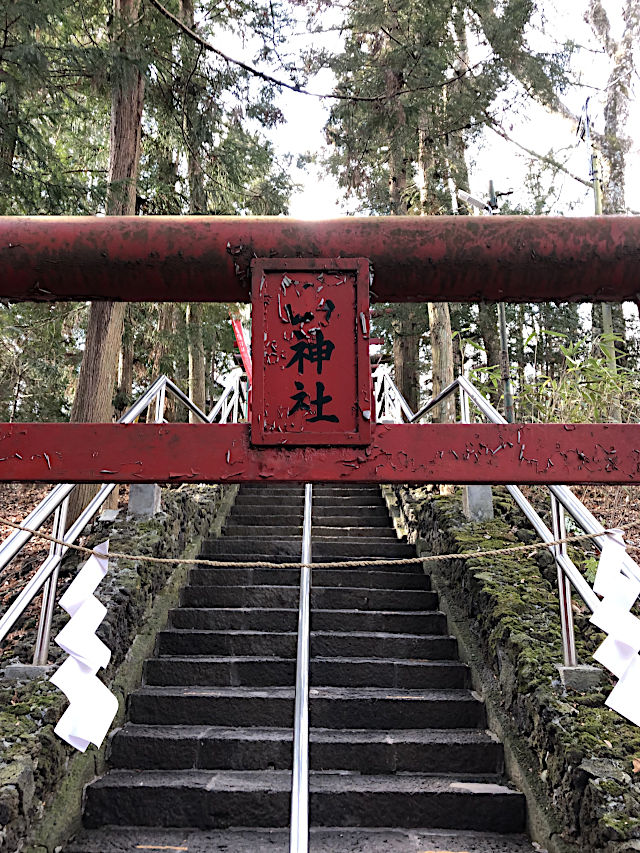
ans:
(462, 259)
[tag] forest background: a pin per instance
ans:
(137, 107)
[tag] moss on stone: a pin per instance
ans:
(512, 605)
(41, 767)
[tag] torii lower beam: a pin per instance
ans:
(543, 454)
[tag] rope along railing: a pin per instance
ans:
(391, 407)
(333, 564)
(231, 407)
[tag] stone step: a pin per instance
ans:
(338, 839)
(329, 707)
(321, 577)
(372, 514)
(277, 620)
(216, 799)
(323, 643)
(336, 549)
(318, 531)
(322, 598)
(318, 489)
(255, 671)
(321, 502)
(145, 747)
(385, 564)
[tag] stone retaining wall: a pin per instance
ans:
(577, 762)
(41, 777)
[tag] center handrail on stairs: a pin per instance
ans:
(299, 833)
(391, 407)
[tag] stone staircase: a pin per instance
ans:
(398, 739)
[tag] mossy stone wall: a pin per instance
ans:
(578, 762)
(41, 777)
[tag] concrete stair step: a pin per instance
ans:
(337, 839)
(201, 798)
(276, 509)
(329, 707)
(369, 579)
(352, 500)
(335, 548)
(326, 514)
(319, 531)
(253, 561)
(279, 619)
(323, 598)
(145, 747)
(323, 643)
(318, 489)
(248, 671)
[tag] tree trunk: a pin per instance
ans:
(196, 358)
(407, 333)
(160, 358)
(9, 118)
(614, 144)
(488, 328)
(94, 394)
(406, 352)
(441, 360)
(125, 365)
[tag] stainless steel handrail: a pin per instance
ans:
(562, 494)
(16, 540)
(299, 833)
(55, 500)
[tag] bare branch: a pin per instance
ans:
(294, 87)
(544, 158)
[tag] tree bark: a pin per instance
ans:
(406, 342)
(488, 328)
(614, 144)
(441, 360)
(196, 358)
(406, 352)
(125, 365)
(94, 395)
(9, 117)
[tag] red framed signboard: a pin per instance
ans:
(310, 346)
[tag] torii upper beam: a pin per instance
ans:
(414, 259)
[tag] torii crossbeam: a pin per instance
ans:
(462, 259)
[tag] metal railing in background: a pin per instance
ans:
(389, 402)
(230, 408)
(299, 833)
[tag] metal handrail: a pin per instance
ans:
(384, 389)
(299, 833)
(233, 402)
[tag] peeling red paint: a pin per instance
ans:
(412, 453)
(421, 258)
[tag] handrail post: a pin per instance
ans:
(564, 585)
(41, 652)
(299, 836)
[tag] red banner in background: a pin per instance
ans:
(245, 355)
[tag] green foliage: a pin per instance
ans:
(203, 151)
(39, 356)
(412, 60)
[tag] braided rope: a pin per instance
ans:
(362, 563)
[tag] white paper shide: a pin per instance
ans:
(92, 706)
(619, 652)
